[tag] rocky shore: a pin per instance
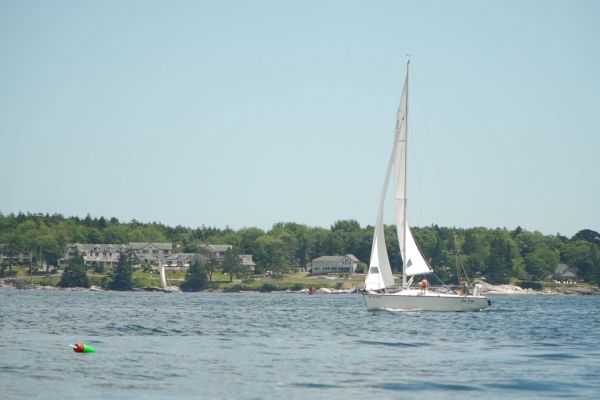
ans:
(487, 289)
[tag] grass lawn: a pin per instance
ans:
(296, 280)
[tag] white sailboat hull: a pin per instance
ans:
(412, 301)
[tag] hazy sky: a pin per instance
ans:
(248, 113)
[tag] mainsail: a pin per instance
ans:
(380, 272)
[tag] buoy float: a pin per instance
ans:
(82, 348)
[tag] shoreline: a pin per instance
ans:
(487, 289)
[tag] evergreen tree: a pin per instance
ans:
(121, 278)
(499, 261)
(195, 278)
(74, 274)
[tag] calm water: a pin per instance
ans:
(274, 346)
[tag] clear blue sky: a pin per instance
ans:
(247, 113)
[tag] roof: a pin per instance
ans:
(564, 271)
(568, 274)
(219, 247)
(561, 269)
(160, 246)
(98, 247)
(337, 258)
(247, 259)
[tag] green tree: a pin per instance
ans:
(210, 263)
(12, 246)
(51, 251)
(74, 274)
(588, 235)
(271, 255)
(476, 250)
(541, 262)
(498, 262)
(584, 256)
(248, 238)
(121, 277)
(195, 277)
(345, 225)
(540, 257)
(504, 261)
(231, 263)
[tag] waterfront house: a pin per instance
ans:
(345, 264)
(181, 261)
(248, 262)
(564, 273)
(217, 250)
(150, 253)
(107, 255)
(10, 257)
(95, 255)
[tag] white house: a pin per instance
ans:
(102, 255)
(151, 252)
(107, 255)
(335, 264)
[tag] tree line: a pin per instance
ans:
(499, 254)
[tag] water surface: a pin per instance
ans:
(293, 346)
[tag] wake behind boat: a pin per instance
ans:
(381, 293)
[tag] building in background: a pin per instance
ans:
(335, 264)
(107, 255)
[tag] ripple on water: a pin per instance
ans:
(393, 344)
(425, 387)
(554, 356)
(547, 387)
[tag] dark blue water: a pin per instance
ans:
(292, 346)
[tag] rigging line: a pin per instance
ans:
(438, 176)
(442, 282)
(433, 155)
(459, 260)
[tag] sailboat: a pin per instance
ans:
(380, 292)
(163, 278)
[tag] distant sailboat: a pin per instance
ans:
(163, 278)
(380, 290)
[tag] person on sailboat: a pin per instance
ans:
(424, 285)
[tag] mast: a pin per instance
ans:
(405, 174)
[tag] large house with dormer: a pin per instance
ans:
(107, 255)
(335, 264)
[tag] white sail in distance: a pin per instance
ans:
(163, 276)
